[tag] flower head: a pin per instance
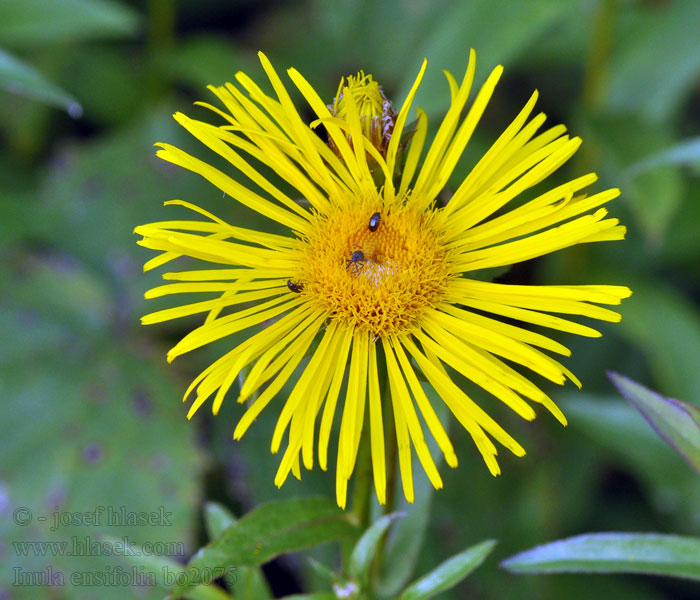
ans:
(378, 274)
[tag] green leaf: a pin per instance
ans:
(653, 196)
(658, 59)
(250, 581)
(676, 422)
(251, 584)
(30, 23)
(624, 437)
(685, 152)
(102, 429)
(666, 326)
(163, 571)
(217, 519)
(273, 529)
(18, 77)
(646, 553)
(204, 60)
(109, 82)
(48, 290)
(323, 571)
(682, 245)
(366, 547)
(449, 573)
(470, 25)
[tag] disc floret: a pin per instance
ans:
(402, 272)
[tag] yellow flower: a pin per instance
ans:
(378, 275)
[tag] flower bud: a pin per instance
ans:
(376, 115)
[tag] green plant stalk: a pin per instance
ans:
(161, 37)
(392, 452)
(595, 78)
(362, 491)
(161, 23)
(595, 75)
(391, 469)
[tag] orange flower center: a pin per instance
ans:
(380, 280)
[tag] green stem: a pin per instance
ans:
(161, 38)
(362, 491)
(392, 451)
(362, 494)
(161, 23)
(391, 470)
(595, 78)
(599, 55)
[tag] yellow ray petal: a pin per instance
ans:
(531, 316)
(298, 130)
(286, 345)
(294, 354)
(231, 324)
(232, 188)
(582, 230)
(401, 397)
(376, 427)
(425, 406)
(445, 131)
(354, 408)
(393, 147)
(467, 412)
(518, 352)
(347, 169)
(415, 148)
(303, 392)
(215, 138)
(530, 171)
(225, 370)
(452, 352)
(402, 435)
(332, 399)
(501, 150)
(318, 392)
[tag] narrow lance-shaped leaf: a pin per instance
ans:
(273, 529)
(18, 77)
(665, 324)
(250, 581)
(663, 35)
(217, 519)
(33, 23)
(646, 553)
(164, 571)
(449, 573)
(366, 547)
(676, 422)
(685, 152)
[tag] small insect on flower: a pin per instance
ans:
(295, 287)
(357, 258)
(374, 221)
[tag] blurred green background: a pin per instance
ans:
(92, 414)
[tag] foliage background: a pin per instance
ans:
(92, 414)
